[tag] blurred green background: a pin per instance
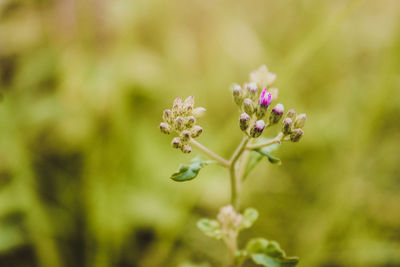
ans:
(84, 170)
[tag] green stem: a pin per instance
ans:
(211, 154)
(232, 171)
(276, 140)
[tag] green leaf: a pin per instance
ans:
(189, 172)
(211, 228)
(250, 215)
(265, 152)
(269, 254)
(257, 155)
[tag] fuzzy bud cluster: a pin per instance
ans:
(292, 125)
(229, 218)
(181, 119)
(254, 99)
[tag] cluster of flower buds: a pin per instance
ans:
(230, 220)
(292, 125)
(254, 99)
(181, 119)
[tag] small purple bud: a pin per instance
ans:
(185, 135)
(276, 114)
(265, 98)
(257, 129)
(196, 131)
(278, 109)
(244, 121)
(296, 135)
(287, 126)
(186, 149)
(176, 142)
(300, 121)
(165, 128)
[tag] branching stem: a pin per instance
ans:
(210, 153)
(235, 180)
(276, 140)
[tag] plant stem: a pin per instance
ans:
(276, 140)
(211, 154)
(243, 164)
(232, 171)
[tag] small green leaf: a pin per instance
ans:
(269, 254)
(265, 152)
(250, 215)
(211, 228)
(189, 172)
(257, 245)
(256, 156)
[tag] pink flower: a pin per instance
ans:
(265, 98)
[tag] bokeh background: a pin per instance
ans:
(84, 170)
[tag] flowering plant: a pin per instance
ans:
(253, 100)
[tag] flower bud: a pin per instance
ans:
(257, 129)
(176, 107)
(168, 116)
(190, 121)
(165, 128)
(185, 135)
(244, 121)
(196, 131)
(179, 123)
(296, 135)
(237, 94)
(287, 126)
(276, 114)
(264, 101)
(291, 114)
(265, 98)
(176, 142)
(199, 112)
(248, 106)
(188, 105)
(186, 149)
(300, 121)
(252, 90)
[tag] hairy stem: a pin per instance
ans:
(211, 154)
(235, 180)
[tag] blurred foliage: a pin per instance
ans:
(84, 171)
